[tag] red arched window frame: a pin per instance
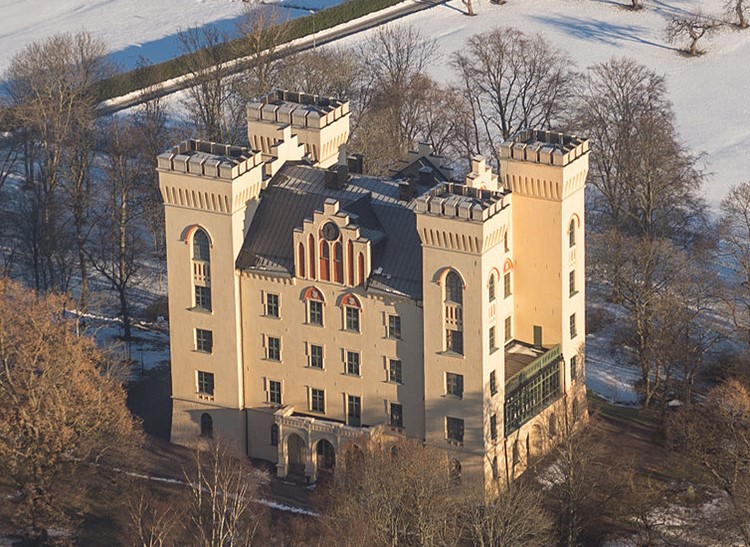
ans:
(311, 250)
(338, 262)
(301, 260)
(361, 269)
(350, 261)
(325, 261)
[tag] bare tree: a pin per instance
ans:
(222, 488)
(263, 31)
(394, 494)
(735, 229)
(329, 72)
(152, 522)
(691, 27)
(512, 81)
(120, 248)
(52, 97)
(515, 517)
(60, 406)
(715, 437)
(738, 9)
(213, 101)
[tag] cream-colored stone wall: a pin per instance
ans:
(296, 334)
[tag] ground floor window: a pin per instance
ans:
(454, 429)
(354, 410)
(207, 425)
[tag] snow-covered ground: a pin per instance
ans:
(711, 94)
(132, 29)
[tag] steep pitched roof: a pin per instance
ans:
(297, 191)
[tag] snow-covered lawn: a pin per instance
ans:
(711, 94)
(131, 28)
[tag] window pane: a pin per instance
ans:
(573, 326)
(204, 340)
(201, 248)
(491, 287)
(508, 329)
(316, 312)
(493, 383)
(572, 282)
(454, 288)
(318, 400)
(394, 326)
(397, 415)
(455, 341)
(272, 305)
(274, 392)
(352, 362)
(354, 410)
(352, 319)
(316, 356)
(205, 383)
(506, 285)
(454, 384)
(274, 349)
(203, 298)
(493, 347)
(395, 371)
(455, 429)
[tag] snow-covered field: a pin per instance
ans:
(711, 94)
(132, 29)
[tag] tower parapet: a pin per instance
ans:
(320, 123)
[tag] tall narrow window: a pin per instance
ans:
(572, 282)
(508, 328)
(491, 288)
(205, 383)
(352, 363)
(397, 415)
(311, 251)
(314, 306)
(361, 269)
(274, 435)
(318, 400)
(201, 246)
(316, 356)
(207, 425)
(394, 327)
(273, 348)
(574, 367)
(454, 429)
(506, 285)
(274, 392)
(301, 260)
(454, 288)
(493, 427)
(572, 233)
(272, 305)
(352, 318)
(573, 330)
(338, 263)
(493, 345)
(506, 243)
(493, 383)
(350, 262)
(354, 410)
(325, 261)
(395, 372)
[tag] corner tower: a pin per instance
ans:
(546, 172)
(210, 193)
(462, 230)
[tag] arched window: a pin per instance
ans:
(201, 246)
(314, 303)
(338, 263)
(572, 232)
(350, 262)
(325, 260)
(207, 425)
(491, 287)
(361, 269)
(301, 259)
(274, 435)
(311, 250)
(454, 471)
(454, 288)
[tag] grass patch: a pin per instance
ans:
(297, 28)
(622, 414)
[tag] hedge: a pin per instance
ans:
(141, 77)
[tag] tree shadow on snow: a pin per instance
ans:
(600, 31)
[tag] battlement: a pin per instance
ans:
(209, 159)
(544, 147)
(297, 109)
(463, 202)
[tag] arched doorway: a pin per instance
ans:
(325, 456)
(296, 455)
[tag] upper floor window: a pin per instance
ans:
(572, 233)
(454, 384)
(204, 340)
(573, 330)
(394, 326)
(273, 348)
(493, 343)
(318, 400)
(205, 383)
(352, 309)
(506, 285)
(316, 356)
(493, 383)
(352, 318)
(573, 367)
(325, 261)
(572, 283)
(454, 341)
(491, 287)
(314, 305)
(272, 305)
(454, 429)
(274, 392)
(352, 363)
(395, 372)
(397, 415)
(454, 288)
(201, 246)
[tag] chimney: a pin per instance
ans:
(336, 177)
(356, 163)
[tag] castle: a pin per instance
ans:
(313, 307)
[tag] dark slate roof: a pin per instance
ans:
(296, 191)
(406, 170)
